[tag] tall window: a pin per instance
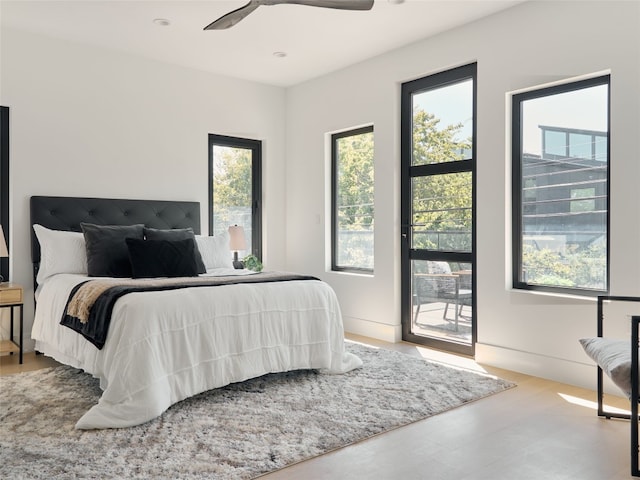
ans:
(235, 193)
(438, 162)
(560, 187)
(353, 209)
(4, 184)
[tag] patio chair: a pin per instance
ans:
(439, 284)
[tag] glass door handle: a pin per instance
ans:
(405, 231)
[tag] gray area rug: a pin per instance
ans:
(238, 432)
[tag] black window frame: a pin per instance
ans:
(334, 200)
(4, 185)
(517, 185)
(410, 171)
(256, 183)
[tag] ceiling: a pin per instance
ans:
(315, 40)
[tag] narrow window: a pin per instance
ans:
(561, 187)
(235, 182)
(353, 208)
(4, 184)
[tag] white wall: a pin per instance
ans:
(527, 45)
(91, 122)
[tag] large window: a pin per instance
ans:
(560, 187)
(353, 209)
(4, 184)
(235, 181)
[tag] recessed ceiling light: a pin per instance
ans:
(279, 54)
(163, 22)
(396, 2)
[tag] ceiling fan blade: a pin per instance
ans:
(339, 4)
(231, 18)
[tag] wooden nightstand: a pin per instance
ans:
(11, 297)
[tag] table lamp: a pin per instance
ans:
(237, 242)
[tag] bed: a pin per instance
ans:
(165, 345)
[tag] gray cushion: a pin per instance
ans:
(107, 252)
(176, 234)
(442, 286)
(162, 258)
(614, 357)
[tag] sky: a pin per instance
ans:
(452, 104)
(582, 109)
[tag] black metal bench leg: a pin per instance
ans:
(635, 471)
(601, 412)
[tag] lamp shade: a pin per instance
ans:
(236, 238)
(3, 244)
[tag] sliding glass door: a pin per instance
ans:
(438, 210)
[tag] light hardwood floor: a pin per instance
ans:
(540, 430)
(9, 363)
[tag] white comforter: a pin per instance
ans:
(163, 347)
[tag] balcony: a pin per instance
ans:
(442, 302)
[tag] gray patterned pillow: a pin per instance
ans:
(176, 234)
(162, 258)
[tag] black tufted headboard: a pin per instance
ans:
(66, 213)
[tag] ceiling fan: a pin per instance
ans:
(231, 18)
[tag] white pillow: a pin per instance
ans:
(614, 357)
(60, 252)
(215, 251)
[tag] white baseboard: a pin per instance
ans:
(557, 369)
(366, 328)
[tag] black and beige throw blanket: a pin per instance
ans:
(90, 303)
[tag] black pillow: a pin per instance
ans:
(177, 234)
(162, 258)
(107, 253)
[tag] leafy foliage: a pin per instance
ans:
(355, 182)
(232, 179)
(232, 189)
(433, 143)
(577, 267)
(355, 202)
(441, 203)
(252, 262)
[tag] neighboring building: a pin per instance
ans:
(565, 189)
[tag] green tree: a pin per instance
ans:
(545, 267)
(434, 144)
(232, 177)
(585, 267)
(355, 182)
(355, 202)
(231, 187)
(441, 203)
